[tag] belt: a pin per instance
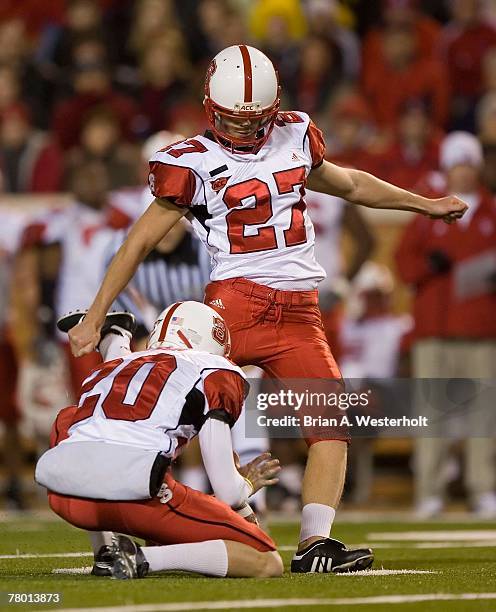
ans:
(157, 474)
(275, 296)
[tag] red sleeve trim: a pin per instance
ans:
(316, 143)
(225, 390)
(174, 183)
(33, 235)
(117, 219)
(61, 425)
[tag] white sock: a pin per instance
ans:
(99, 539)
(114, 346)
(290, 477)
(208, 558)
(316, 520)
(195, 478)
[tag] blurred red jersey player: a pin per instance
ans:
(11, 231)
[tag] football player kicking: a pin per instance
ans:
(107, 469)
(242, 186)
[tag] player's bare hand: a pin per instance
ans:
(261, 472)
(84, 337)
(449, 209)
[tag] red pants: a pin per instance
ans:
(279, 331)
(332, 321)
(80, 367)
(189, 516)
(9, 412)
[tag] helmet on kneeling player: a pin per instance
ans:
(241, 98)
(191, 325)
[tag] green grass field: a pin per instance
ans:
(459, 561)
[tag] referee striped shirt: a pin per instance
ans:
(165, 278)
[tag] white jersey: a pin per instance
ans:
(12, 225)
(157, 400)
(131, 201)
(249, 209)
(371, 347)
(327, 217)
(84, 234)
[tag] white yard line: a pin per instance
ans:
(251, 604)
(381, 545)
(406, 516)
(47, 555)
(433, 545)
(475, 544)
(378, 545)
(374, 572)
(385, 572)
(72, 570)
(458, 535)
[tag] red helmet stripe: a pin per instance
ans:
(184, 339)
(245, 54)
(166, 321)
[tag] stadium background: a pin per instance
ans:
(89, 81)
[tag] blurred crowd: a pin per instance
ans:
(91, 79)
(404, 89)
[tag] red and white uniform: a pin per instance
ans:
(250, 212)
(327, 216)
(11, 229)
(157, 400)
(439, 310)
(249, 209)
(129, 203)
(83, 233)
(137, 406)
(371, 346)
(131, 409)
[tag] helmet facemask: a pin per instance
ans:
(241, 144)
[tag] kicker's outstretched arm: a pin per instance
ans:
(359, 187)
(150, 228)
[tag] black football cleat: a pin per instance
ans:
(103, 563)
(328, 555)
(128, 560)
(115, 322)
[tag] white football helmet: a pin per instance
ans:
(190, 325)
(159, 141)
(241, 82)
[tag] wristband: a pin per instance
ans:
(245, 510)
(249, 482)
